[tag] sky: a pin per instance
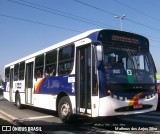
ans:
(27, 26)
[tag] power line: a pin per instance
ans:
(38, 23)
(72, 16)
(113, 14)
(155, 46)
(155, 40)
(136, 10)
(59, 13)
(155, 29)
(110, 13)
(35, 22)
(91, 20)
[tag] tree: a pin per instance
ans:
(1, 81)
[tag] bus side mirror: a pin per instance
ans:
(99, 51)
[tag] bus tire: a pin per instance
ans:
(18, 101)
(65, 110)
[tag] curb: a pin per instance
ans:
(8, 117)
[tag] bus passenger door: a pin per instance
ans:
(29, 82)
(11, 84)
(87, 98)
(83, 79)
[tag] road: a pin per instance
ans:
(48, 121)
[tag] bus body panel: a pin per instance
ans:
(95, 106)
(108, 105)
(22, 96)
(19, 86)
(73, 103)
(45, 90)
(6, 95)
(46, 101)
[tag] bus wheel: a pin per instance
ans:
(65, 109)
(18, 101)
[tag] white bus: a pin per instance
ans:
(100, 72)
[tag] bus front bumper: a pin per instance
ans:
(112, 106)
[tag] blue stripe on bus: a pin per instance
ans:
(55, 84)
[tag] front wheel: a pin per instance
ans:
(18, 101)
(65, 109)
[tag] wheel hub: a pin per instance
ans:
(65, 109)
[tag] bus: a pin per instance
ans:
(101, 72)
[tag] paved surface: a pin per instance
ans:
(48, 121)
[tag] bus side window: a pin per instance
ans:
(66, 57)
(39, 66)
(21, 70)
(51, 63)
(7, 72)
(16, 68)
(38, 73)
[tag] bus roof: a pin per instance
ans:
(60, 44)
(94, 35)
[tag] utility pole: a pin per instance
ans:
(120, 18)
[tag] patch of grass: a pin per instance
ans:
(4, 122)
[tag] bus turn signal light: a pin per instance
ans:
(94, 106)
(109, 91)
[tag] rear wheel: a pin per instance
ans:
(65, 109)
(18, 101)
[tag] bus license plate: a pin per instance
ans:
(138, 106)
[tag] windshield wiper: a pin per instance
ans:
(133, 54)
(133, 64)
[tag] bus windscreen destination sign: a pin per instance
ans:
(125, 39)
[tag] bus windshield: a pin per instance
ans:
(128, 66)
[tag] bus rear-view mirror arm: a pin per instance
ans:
(99, 50)
(99, 55)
